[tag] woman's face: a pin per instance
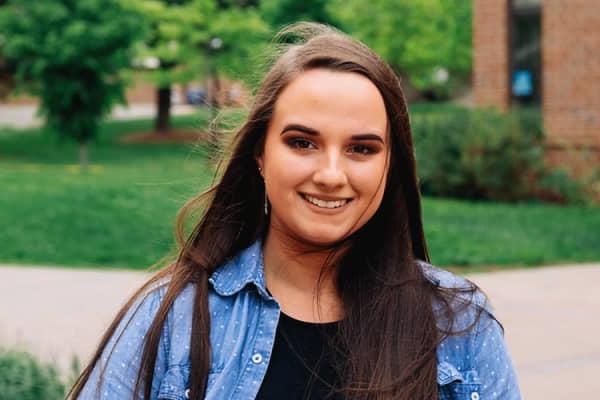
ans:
(325, 158)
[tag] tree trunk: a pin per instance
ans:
(163, 116)
(83, 156)
(215, 92)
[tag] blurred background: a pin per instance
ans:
(105, 120)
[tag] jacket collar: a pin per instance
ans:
(245, 268)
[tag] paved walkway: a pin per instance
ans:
(551, 317)
(24, 116)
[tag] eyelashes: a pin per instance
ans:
(300, 143)
(364, 149)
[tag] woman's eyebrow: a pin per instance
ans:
(314, 132)
(299, 128)
(368, 136)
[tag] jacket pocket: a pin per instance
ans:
(456, 385)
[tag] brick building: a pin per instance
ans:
(546, 52)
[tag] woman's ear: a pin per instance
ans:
(259, 163)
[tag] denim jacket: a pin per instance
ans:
(244, 318)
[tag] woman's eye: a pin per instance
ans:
(362, 149)
(299, 143)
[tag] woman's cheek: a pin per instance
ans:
(368, 176)
(296, 166)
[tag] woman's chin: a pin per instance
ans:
(311, 235)
(323, 238)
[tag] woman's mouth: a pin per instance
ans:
(329, 204)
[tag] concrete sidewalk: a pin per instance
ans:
(24, 116)
(550, 316)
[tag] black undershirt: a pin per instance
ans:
(301, 351)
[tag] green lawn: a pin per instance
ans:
(491, 235)
(121, 212)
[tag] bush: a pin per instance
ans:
(558, 186)
(23, 377)
(478, 154)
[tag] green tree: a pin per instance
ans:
(192, 39)
(70, 53)
(427, 40)
(229, 37)
(283, 12)
(6, 78)
(6, 72)
(165, 51)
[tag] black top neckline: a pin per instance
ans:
(302, 362)
(306, 324)
(299, 322)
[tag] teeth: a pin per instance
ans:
(325, 204)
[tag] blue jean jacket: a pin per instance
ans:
(244, 318)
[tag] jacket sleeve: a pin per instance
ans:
(115, 373)
(492, 361)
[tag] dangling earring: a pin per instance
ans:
(266, 206)
(266, 203)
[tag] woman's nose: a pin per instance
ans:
(330, 173)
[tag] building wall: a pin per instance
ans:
(571, 73)
(491, 84)
(141, 91)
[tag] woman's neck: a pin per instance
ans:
(300, 279)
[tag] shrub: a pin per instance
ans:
(23, 377)
(478, 154)
(558, 186)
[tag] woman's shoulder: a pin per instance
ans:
(114, 374)
(443, 278)
(139, 316)
(472, 357)
(461, 307)
(457, 290)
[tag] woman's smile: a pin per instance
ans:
(328, 205)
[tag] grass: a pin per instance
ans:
(120, 213)
(484, 236)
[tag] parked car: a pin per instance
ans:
(196, 96)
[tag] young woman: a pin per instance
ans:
(307, 275)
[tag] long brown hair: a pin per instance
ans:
(389, 335)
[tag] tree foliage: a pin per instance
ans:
(283, 12)
(419, 38)
(180, 35)
(167, 41)
(70, 53)
(241, 30)
(164, 50)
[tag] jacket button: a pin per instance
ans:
(474, 396)
(257, 358)
(187, 393)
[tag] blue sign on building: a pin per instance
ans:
(522, 83)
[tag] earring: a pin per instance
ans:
(266, 206)
(266, 203)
